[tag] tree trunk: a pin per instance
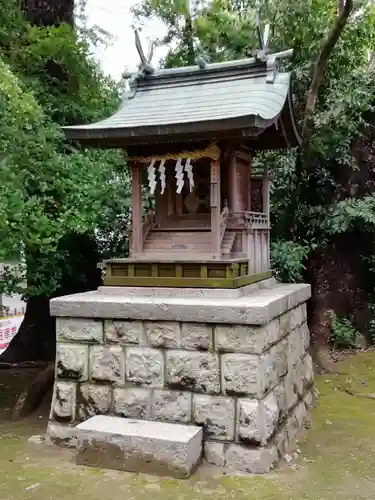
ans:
(36, 338)
(30, 399)
(340, 284)
(48, 12)
(303, 162)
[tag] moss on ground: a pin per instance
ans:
(337, 458)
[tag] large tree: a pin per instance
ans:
(322, 195)
(55, 199)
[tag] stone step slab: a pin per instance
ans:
(254, 309)
(158, 448)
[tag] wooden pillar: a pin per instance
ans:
(215, 205)
(250, 234)
(251, 252)
(249, 187)
(238, 184)
(232, 191)
(179, 204)
(161, 205)
(137, 242)
(266, 194)
(266, 210)
(171, 192)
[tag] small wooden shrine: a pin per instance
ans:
(190, 134)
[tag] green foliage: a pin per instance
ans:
(343, 333)
(53, 199)
(49, 193)
(372, 324)
(288, 260)
(55, 64)
(328, 205)
(12, 27)
(45, 193)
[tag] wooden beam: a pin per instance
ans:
(173, 282)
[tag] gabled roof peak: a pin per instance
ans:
(240, 99)
(197, 69)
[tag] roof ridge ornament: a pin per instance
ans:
(263, 38)
(261, 54)
(201, 61)
(145, 66)
(272, 68)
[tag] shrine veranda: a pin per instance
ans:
(192, 328)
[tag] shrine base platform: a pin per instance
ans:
(232, 361)
(209, 273)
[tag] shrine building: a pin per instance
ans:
(192, 132)
(190, 350)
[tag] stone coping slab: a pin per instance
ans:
(139, 446)
(227, 293)
(256, 308)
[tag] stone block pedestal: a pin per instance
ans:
(139, 446)
(233, 362)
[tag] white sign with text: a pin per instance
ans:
(8, 329)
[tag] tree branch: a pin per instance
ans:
(303, 160)
(345, 10)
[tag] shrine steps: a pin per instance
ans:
(184, 242)
(139, 446)
(188, 222)
(227, 243)
(179, 242)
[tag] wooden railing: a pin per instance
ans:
(259, 259)
(248, 220)
(256, 220)
(223, 221)
(148, 223)
(257, 225)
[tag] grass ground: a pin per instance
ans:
(337, 459)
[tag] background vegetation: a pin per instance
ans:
(323, 199)
(63, 208)
(69, 208)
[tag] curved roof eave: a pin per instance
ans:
(231, 98)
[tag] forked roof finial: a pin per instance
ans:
(263, 37)
(145, 65)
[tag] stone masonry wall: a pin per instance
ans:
(250, 387)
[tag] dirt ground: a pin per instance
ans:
(336, 459)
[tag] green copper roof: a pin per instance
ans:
(246, 95)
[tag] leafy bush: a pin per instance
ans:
(52, 197)
(288, 260)
(45, 194)
(343, 333)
